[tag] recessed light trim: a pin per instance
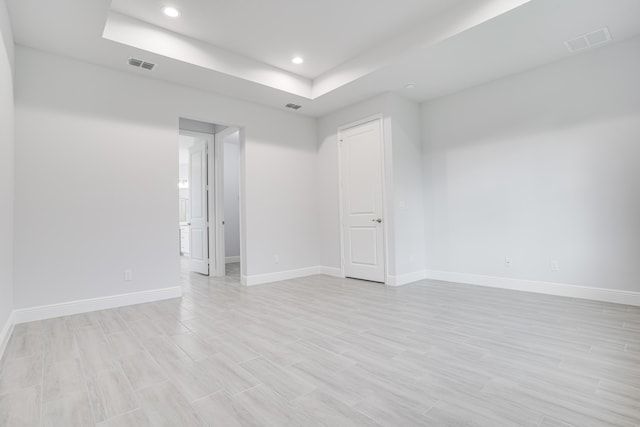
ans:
(171, 11)
(297, 60)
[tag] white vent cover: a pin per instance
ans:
(139, 63)
(589, 40)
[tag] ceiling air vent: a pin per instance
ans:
(293, 106)
(588, 40)
(141, 64)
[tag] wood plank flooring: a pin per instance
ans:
(323, 351)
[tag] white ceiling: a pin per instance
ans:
(353, 49)
(326, 33)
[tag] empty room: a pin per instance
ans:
(320, 213)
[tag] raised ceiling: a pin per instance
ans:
(325, 33)
(353, 49)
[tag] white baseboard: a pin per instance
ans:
(231, 259)
(331, 271)
(5, 333)
(549, 288)
(405, 279)
(259, 279)
(83, 306)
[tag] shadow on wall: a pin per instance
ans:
(582, 89)
(539, 168)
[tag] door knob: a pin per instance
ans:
(379, 220)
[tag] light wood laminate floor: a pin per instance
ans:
(323, 351)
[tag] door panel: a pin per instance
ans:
(363, 246)
(362, 204)
(362, 195)
(198, 232)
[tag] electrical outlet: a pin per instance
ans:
(276, 259)
(508, 262)
(554, 265)
(128, 275)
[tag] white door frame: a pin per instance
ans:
(218, 202)
(380, 119)
(242, 170)
(216, 207)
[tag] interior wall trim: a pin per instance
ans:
(83, 306)
(549, 288)
(331, 271)
(259, 279)
(405, 279)
(5, 333)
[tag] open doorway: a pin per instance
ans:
(208, 199)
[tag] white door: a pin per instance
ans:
(362, 201)
(198, 201)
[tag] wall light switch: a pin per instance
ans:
(554, 265)
(508, 262)
(128, 275)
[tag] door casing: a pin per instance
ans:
(380, 119)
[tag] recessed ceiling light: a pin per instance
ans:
(297, 60)
(410, 86)
(171, 12)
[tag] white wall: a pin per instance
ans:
(537, 167)
(96, 180)
(6, 169)
(540, 167)
(408, 190)
(6, 34)
(232, 195)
